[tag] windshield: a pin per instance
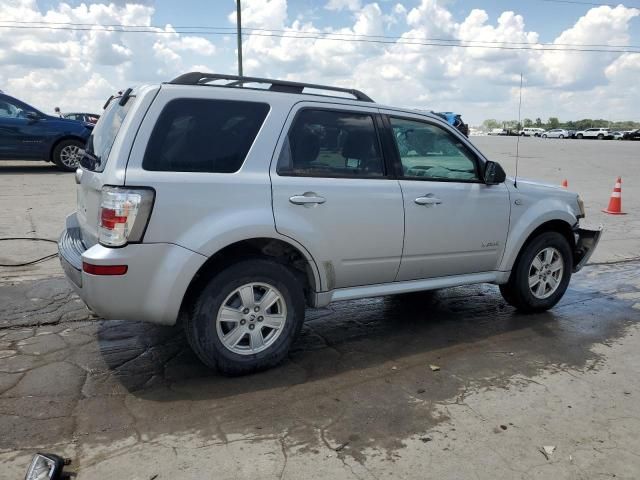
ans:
(104, 134)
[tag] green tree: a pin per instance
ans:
(528, 123)
(553, 122)
(538, 122)
(490, 124)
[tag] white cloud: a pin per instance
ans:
(79, 69)
(338, 5)
(478, 82)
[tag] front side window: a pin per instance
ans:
(197, 135)
(10, 110)
(324, 143)
(428, 152)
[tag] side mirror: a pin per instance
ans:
(493, 173)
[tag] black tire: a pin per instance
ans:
(517, 292)
(600, 136)
(580, 136)
(561, 136)
(200, 324)
(544, 136)
(61, 163)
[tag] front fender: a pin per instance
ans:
(525, 219)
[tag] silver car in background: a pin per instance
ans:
(232, 208)
(556, 133)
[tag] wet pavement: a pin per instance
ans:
(357, 397)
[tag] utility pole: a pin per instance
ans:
(239, 28)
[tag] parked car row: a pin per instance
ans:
(594, 133)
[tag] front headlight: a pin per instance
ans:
(581, 213)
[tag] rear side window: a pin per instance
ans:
(104, 134)
(195, 135)
(325, 143)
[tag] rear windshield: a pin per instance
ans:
(196, 135)
(104, 134)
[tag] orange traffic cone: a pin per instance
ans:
(565, 184)
(615, 203)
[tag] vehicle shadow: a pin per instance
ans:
(29, 168)
(370, 335)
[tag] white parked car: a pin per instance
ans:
(531, 132)
(599, 133)
(556, 133)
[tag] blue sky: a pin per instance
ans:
(78, 69)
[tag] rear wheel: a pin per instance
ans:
(67, 155)
(246, 317)
(541, 275)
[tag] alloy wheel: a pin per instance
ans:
(70, 156)
(545, 273)
(251, 318)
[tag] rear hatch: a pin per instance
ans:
(94, 162)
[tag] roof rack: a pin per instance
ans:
(199, 78)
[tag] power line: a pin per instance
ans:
(208, 30)
(330, 36)
(590, 4)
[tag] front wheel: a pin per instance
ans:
(580, 136)
(561, 136)
(544, 136)
(246, 317)
(67, 155)
(541, 275)
(600, 137)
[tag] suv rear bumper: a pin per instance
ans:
(151, 290)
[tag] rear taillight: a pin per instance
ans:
(124, 213)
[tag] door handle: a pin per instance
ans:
(428, 199)
(308, 198)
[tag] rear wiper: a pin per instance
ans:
(106, 104)
(95, 161)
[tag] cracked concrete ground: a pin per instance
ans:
(355, 399)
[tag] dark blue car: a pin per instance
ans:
(28, 134)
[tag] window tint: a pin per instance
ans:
(324, 143)
(430, 153)
(195, 135)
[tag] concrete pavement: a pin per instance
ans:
(357, 397)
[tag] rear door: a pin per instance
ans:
(332, 193)
(94, 163)
(454, 223)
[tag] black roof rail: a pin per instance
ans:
(199, 78)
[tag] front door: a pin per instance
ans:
(331, 194)
(454, 223)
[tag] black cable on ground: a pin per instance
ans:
(32, 262)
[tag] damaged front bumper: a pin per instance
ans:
(586, 242)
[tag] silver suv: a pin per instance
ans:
(233, 203)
